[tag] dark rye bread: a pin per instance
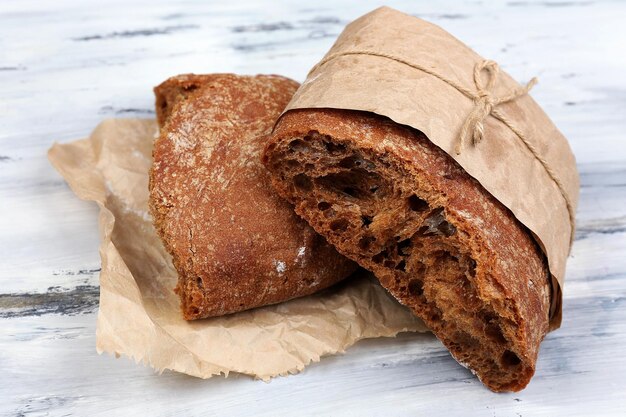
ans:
(235, 244)
(388, 198)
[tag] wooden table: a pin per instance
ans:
(66, 65)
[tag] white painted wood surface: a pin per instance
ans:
(65, 65)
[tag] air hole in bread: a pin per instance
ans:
(417, 204)
(404, 247)
(441, 257)
(190, 87)
(388, 263)
(334, 147)
(510, 359)
(366, 241)
(435, 224)
(471, 267)
(416, 287)
(379, 257)
(339, 225)
(350, 191)
(492, 326)
(355, 183)
(303, 182)
(323, 205)
(356, 162)
(349, 162)
(494, 331)
(299, 145)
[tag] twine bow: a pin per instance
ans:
(484, 102)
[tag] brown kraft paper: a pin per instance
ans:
(417, 74)
(139, 314)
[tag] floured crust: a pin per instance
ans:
(388, 198)
(235, 244)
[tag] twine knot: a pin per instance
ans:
(484, 102)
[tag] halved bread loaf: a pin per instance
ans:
(235, 244)
(388, 198)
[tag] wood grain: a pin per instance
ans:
(64, 66)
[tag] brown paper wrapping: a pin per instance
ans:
(139, 313)
(349, 77)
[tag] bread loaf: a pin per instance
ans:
(235, 244)
(388, 198)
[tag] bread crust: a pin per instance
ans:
(391, 200)
(235, 244)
